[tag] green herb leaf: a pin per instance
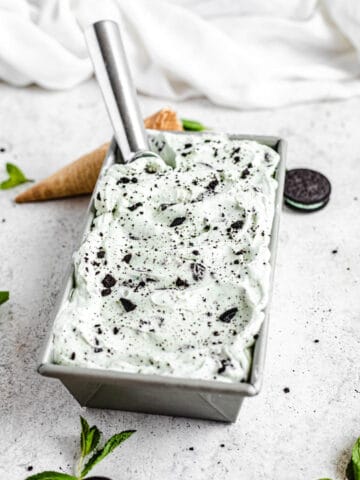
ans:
(109, 446)
(90, 437)
(16, 177)
(93, 439)
(51, 476)
(355, 458)
(4, 297)
(349, 473)
(192, 125)
(84, 433)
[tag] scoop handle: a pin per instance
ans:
(111, 67)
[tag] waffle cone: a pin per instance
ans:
(80, 176)
(165, 119)
(76, 178)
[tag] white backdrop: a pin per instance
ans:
(238, 53)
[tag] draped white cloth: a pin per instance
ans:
(238, 53)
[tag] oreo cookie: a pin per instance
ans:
(306, 190)
(98, 478)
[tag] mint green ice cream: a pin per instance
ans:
(172, 277)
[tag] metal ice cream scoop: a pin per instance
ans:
(112, 71)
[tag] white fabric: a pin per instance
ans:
(238, 53)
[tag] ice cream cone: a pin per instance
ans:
(165, 119)
(80, 177)
(75, 179)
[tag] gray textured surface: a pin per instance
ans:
(303, 434)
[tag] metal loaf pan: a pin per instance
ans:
(167, 395)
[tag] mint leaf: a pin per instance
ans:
(16, 177)
(51, 476)
(355, 458)
(90, 437)
(84, 433)
(109, 446)
(349, 474)
(93, 439)
(192, 125)
(4, 297)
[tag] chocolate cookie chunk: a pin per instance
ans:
(181, 283)
(177, 221)
(108, 281)
(128, 305)
(198, 271)
(227, 316)
(306, 190)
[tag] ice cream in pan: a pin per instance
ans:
(172, 276)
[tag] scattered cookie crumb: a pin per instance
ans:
(286, 390)
(316, 340)
(335, 251)
(29, 468)
(191, 448)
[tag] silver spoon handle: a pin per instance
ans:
(113, 74)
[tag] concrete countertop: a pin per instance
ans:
(313, 349)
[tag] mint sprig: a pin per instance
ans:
(109, 446)
(52, 476)
(16, 177)
(4, 297)
(355, 460)
(90, 437)
(89, 444)
(192, 125)
(353, 468)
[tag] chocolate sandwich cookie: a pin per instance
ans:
(99, 478)
(306, 190)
